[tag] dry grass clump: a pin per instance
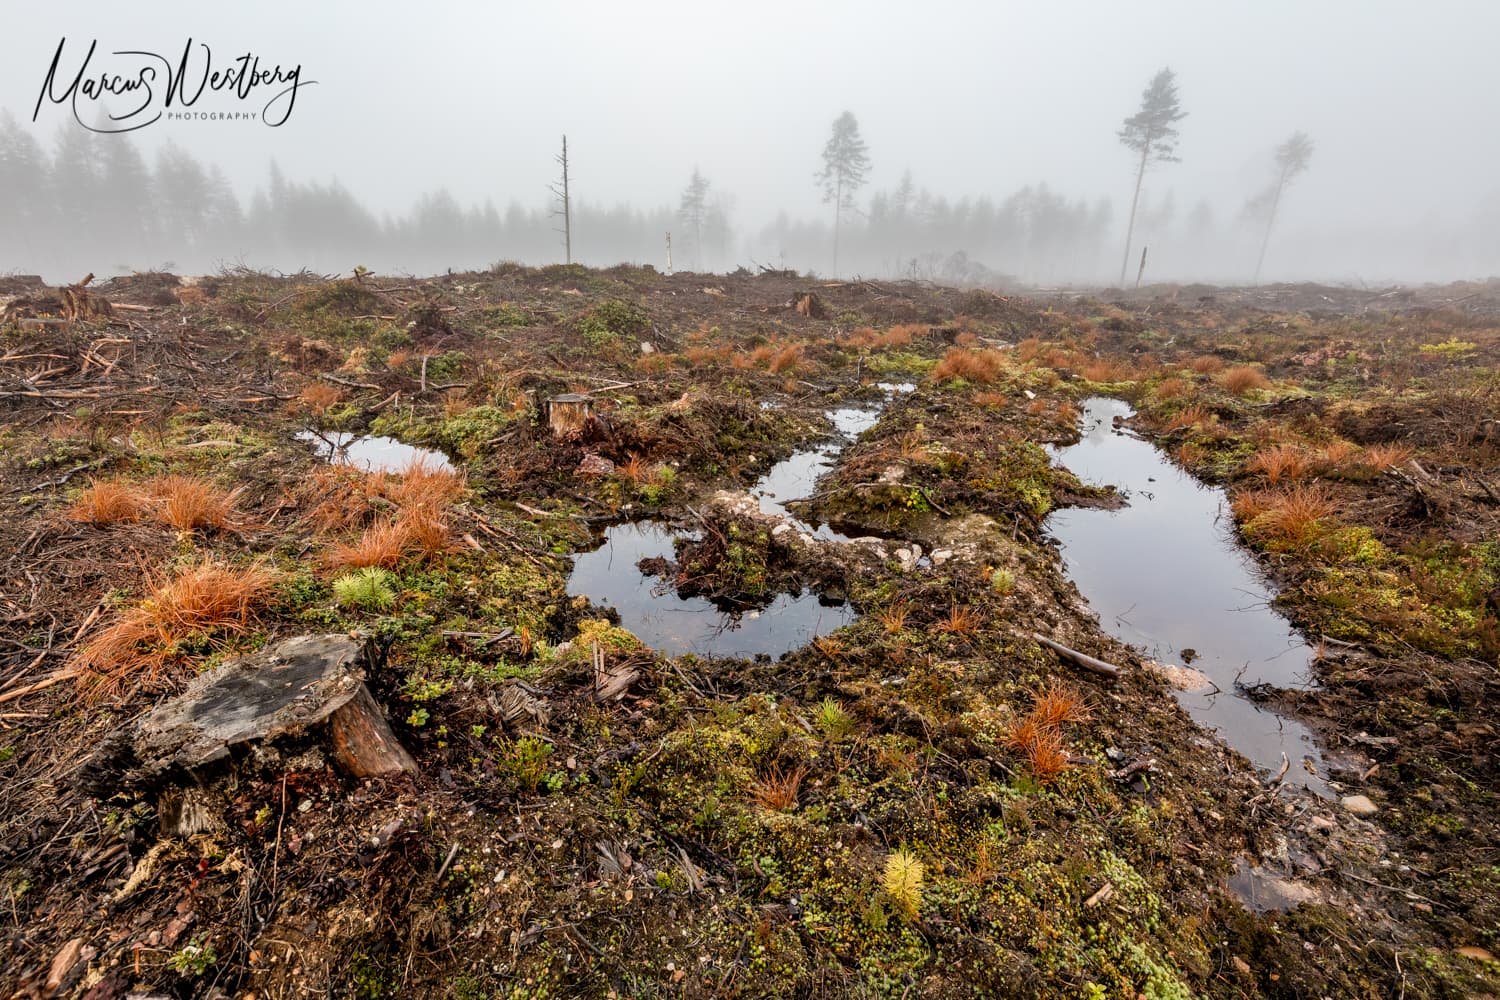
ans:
(861, 337)
(427, 534)
(1028, 349)
(421, 484)
(1060, 703)
(1337, 453)
(777, 790)
(786, 359)
(993, 400)
(1206, 364)
(1282, 461)
(1385, 456)
(893, 617)
(382, 544)
(1242, 379)
(902, 334)
(1188, 454)
(1172, 388)
(966, 363)
(317, 397)
(192, 608)
(1038, 734)
(1294, 517)
(187, 503)
(107, 501)
(706, 357)
(1104, 370)
(961, 620)
(1190, 418)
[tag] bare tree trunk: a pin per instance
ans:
(838, 206)
(1270, 221)
(567, 205)
(1140, 175)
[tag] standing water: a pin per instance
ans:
(651, 608)
(1166, 575)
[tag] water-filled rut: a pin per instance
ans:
(1165, 574)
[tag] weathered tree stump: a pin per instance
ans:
(810, 305)
(295, 687)
(569, 415)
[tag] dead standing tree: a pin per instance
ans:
(565, 202)
(1151, 132)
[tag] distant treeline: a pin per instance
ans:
(94, 204)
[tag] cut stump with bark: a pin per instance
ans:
(569, 415)
(310, 683)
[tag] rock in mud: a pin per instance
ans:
(1359, 805)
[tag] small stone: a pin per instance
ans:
(1359, 805)
(1322, 823)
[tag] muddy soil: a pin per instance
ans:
(925, 801)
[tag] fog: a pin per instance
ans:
(428, 138)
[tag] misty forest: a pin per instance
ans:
(921, 594)
(177, 213)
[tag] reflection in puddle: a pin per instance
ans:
(373, 454)
(1166, 575)
(673, 625)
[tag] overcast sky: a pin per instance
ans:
(1401, 99)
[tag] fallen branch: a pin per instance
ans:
(1078, 659)
(328, 377)
(45, 682)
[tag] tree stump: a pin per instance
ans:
(297, 686)
(569, 415)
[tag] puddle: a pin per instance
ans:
(1165, 574)
(1262, 892)
(372, 454)
(673, 625)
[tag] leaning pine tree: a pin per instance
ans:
(1292, 157)
(1152, 133)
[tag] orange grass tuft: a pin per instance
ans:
(1189, 417)
(188, 503)
(778, 789)
(195, 606)
(1292, 517)
(1172, 388)
(1206, 364)
(427, 534)
(421, 484)
(382, 544)
(1242, 379)
(1385, 456)
(893, 617)
(317, 397)
(786, 359)
(961, 620)
(1058, 704)
(982, 367)
(902, 334)
(107, 501)
(1283, 461)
